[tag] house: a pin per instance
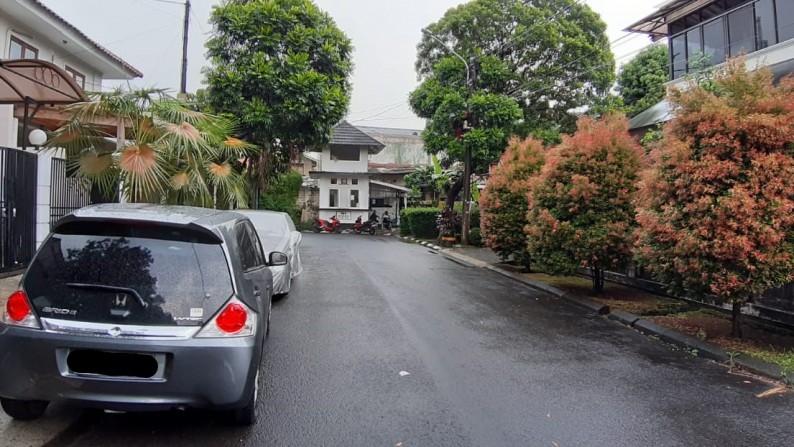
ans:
(34, 189)
(707, 32)
(349, 184)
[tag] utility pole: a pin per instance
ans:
(183, 85)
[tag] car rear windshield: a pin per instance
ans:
(128, 274)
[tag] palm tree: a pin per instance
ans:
(163, 152)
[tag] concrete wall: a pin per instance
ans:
(329, 165)
(344, 211)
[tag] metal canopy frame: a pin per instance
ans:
(27, 82)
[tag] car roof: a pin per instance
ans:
(274, 213)
(147, 212)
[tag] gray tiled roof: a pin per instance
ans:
(346, 134)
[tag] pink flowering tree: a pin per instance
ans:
(503, 203)
(716, 209)
(581, 211)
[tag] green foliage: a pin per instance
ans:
(537, 61)
(641, 80)
(283, 68)
(716, 208)
(282, 194)
(474, 212)
(448, 222)
(580, 209)
(475, 237)
(170, 152)
(504, 200)
(421, 222)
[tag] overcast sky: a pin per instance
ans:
(147, 34)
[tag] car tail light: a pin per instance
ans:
(18, 311)
(234, 320)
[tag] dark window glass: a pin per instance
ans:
(714, 44)
(692, 20)
(712, 10)
(784, 10)
(333, 198)
(765, 24)
(741, 26)
(678, 55)
(259, 257)
(345, 153)
(353, 198)
(106, 279)
(246, 246)
(694, 47)
(334, 181)
(354, 181)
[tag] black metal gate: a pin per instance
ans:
(67, 193)
(18, 171)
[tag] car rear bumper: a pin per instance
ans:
(197, 373)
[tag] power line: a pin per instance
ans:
(378, 108)
(380, 113)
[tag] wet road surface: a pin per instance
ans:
(489, 363)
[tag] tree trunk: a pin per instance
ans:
(597, 275)
(453, 192)
(737, 320)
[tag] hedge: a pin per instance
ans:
(420, 222)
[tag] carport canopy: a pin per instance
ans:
(35, 81)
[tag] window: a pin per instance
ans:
(741, 26)
(765, 34)
(77, 76)
(345, 153)
(678, 55)
(344, 181)
(250, 254)
(714, 42)
(354, 181)
(259, 257)
(784, 10)
(353, 198)
(21, 50)
(694, 47)
(333, 198)
(334, 181)
(712, 10)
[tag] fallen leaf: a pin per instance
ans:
(548, 415)
(772, 392)
(747, 381)
(555, 444)
(399, 444)
(404, 373)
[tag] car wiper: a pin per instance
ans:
(133, 292)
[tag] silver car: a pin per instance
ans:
(140, 307)
(278, 234)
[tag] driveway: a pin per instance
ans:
(382, 342)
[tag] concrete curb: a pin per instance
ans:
(691, 344)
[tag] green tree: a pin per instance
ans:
(641, 81)
(504, 200)
(716, 207)
(282, 194)
(580, 208)
(169, 153)
(536, 61)
(283, 68)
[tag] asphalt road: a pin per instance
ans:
(489, 363)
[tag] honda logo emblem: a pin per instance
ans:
(120, 300)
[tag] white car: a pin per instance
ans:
(277, 233)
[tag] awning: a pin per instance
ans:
(37, 81)
(390, 186)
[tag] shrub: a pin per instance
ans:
(475, 237)
(282, 195)
(716, 209)
(580, 211)
(503, 203)
(475, 216)
(421, 221)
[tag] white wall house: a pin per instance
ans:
(343, 176)
(30, 30)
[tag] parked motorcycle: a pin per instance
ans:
(386, 223)
(365, 227)
(331, 225)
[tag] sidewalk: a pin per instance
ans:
(485, 258)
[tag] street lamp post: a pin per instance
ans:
(470, 80)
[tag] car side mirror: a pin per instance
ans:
(277, 258)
